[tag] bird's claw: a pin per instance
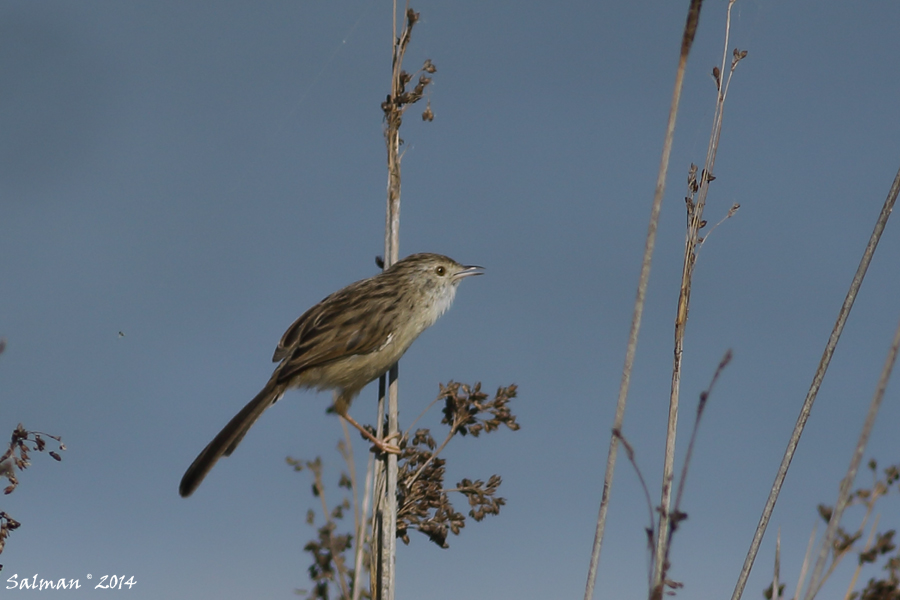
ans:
(384, 445)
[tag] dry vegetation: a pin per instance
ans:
(17, 457)
(409, 491)
(836, 543)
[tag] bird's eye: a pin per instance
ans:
(440, 271)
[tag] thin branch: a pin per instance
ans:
(361, 538)
(690, 29)
(346, 450)
(336, 556)
(850, 477)
(691, 245)
(629, 454)
(806, 560)
(816, 383)
(676, 516)
(394, 107)
(432, 457)
(419, 418)
(777, 572)
(731, 212)
(359, 513)
(701, 407)
(859, 564)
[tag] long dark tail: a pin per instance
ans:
(229, 438)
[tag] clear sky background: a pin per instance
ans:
(196, 175)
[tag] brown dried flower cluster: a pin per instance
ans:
(16, 457)
(423, 502)
(396, 102)
(465, 409)
(17, 453)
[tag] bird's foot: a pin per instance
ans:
(384, 445)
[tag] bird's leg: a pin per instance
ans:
(342, 407)
(383, 444)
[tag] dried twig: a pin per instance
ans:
(845, 494)
(659, 576)
(424, 503)
(690, 29)
(816, 383)
(394, 106)
(329, 549)
(695, 222)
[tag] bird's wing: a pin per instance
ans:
(332, 329)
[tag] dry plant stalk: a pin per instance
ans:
(844, 495)
(690, 29)
(659, 583)
(361, 520)
(328, 551)
(819, 375)
(804, 567)
(658, 591)
(421, 488)
(777, 588)
(843, 543)
(424, 502)
(693, 240)
(859, 564)
(385, 494)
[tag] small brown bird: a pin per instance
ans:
(345, 341)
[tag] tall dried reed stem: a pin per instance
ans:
(386, 502)
(816, 383)
(847, 483)
(690, 29)
(859, 565)
(691, 244)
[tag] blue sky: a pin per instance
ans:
(197, 175)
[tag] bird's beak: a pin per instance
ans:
(468, 271)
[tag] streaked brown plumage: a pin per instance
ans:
(345, 341)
